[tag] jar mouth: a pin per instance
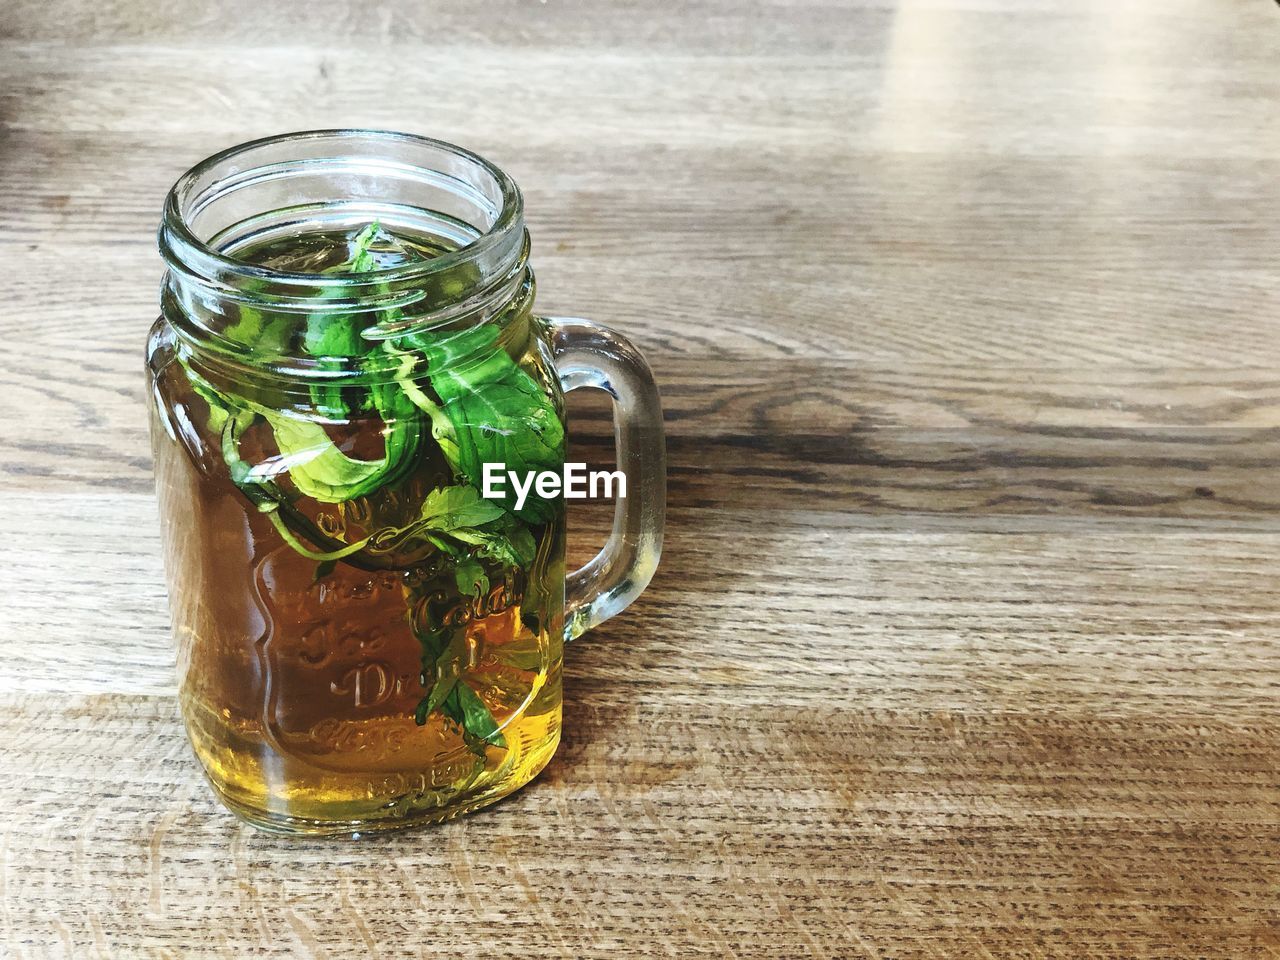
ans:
(382, 173)
(326, 181)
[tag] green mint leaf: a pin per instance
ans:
(334, 335)
(477, 720)
(495, 411)
(445, 669)
(523, 546)
(492, 545)
(444, 545)
(403, 431)
(314, 463)
(259, 331)
(471, 578)
(449, 508)
(217, 407)
(435, 699)
(425, 709)
(362, 259)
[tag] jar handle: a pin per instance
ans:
(590, 355)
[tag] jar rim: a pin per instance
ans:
(182, 249)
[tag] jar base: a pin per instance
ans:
(407, 817)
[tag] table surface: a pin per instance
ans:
(965, 638)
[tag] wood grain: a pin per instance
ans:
(965, 641)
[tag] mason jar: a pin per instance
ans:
(368, 634)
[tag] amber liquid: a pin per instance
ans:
(299, 692)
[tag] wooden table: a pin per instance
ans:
(965, 638)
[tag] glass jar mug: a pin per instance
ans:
(347, 337)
